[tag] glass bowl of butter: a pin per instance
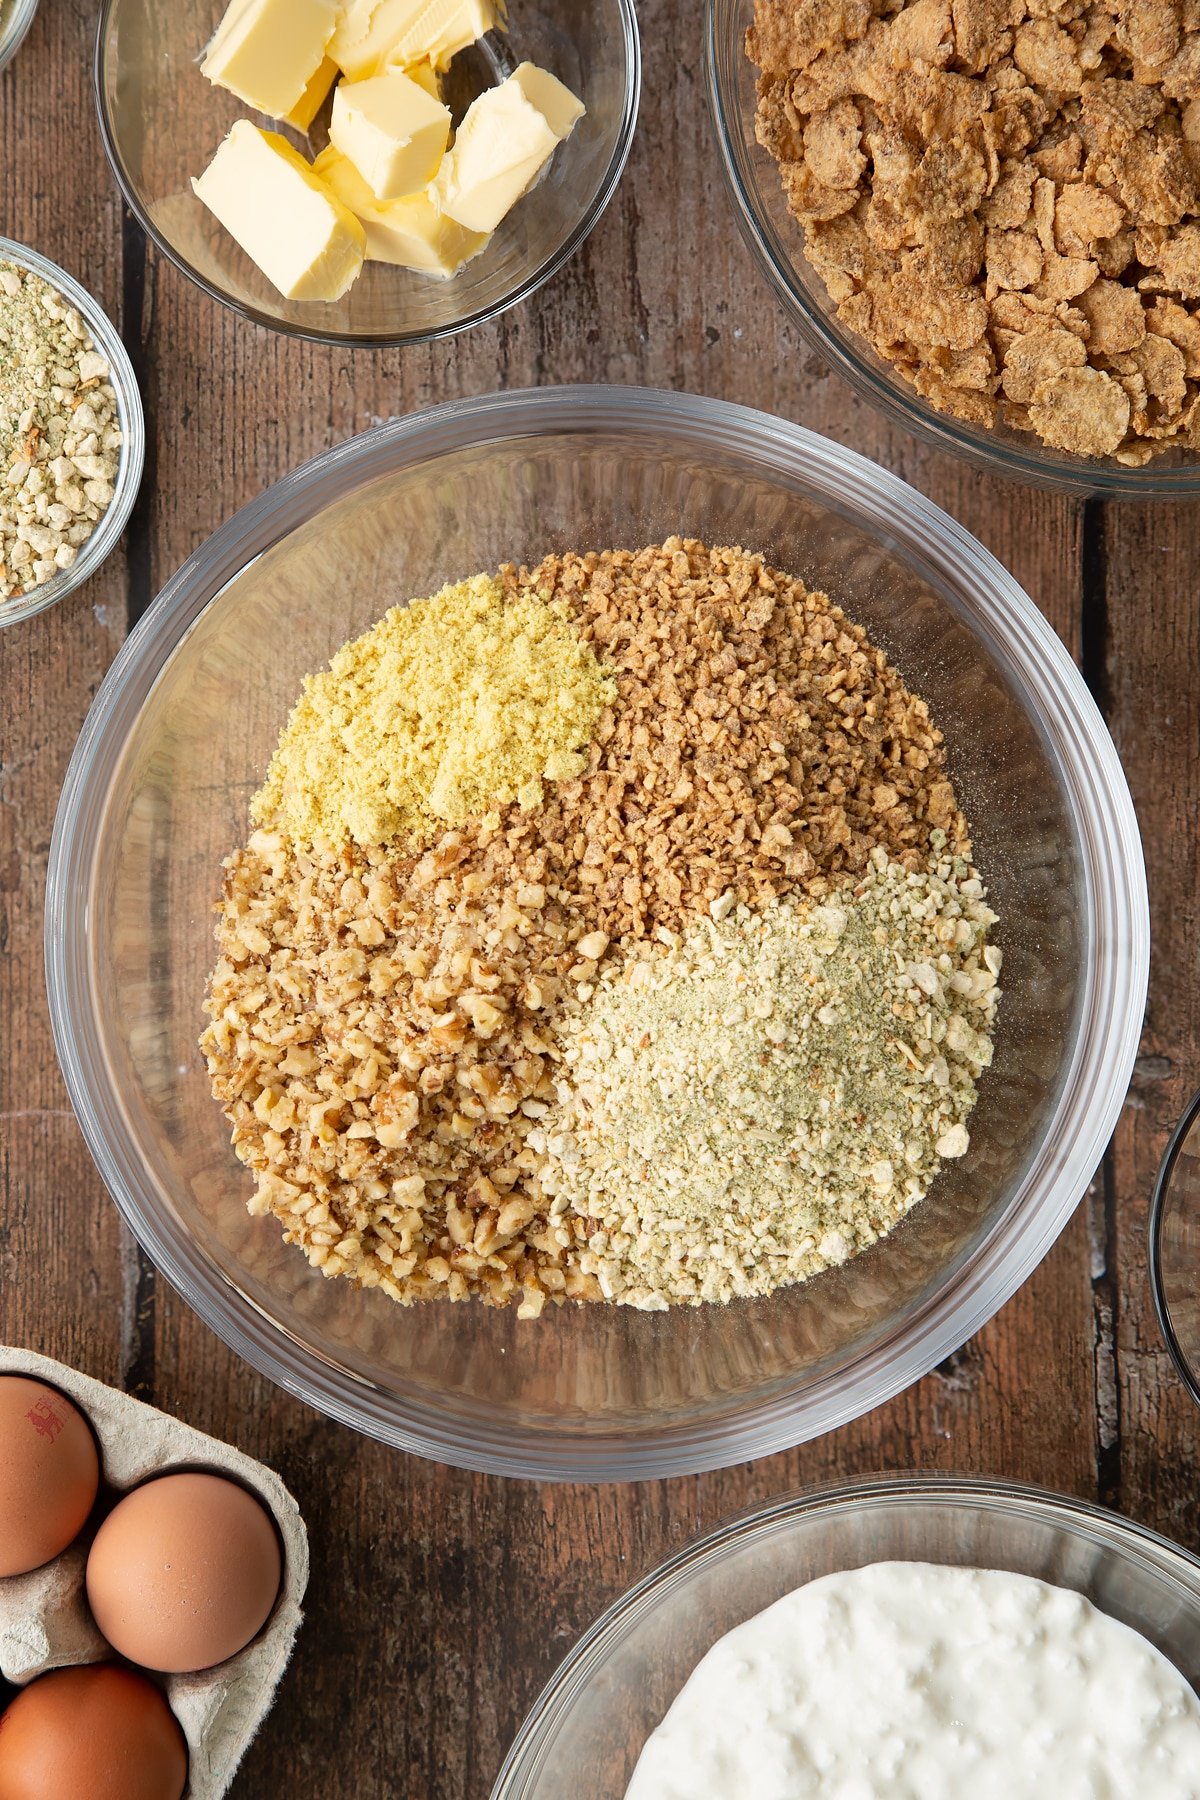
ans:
(384, 172)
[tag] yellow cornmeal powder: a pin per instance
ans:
(447, 709)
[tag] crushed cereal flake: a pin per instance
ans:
(760, 743)
(970, 173)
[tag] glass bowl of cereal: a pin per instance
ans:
(387, 1030)
(163, 124)
(72, 434)
(875, 1543)
(16, 16)
(999, 265)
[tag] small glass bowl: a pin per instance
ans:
(777, 241)
(16, 16)
(133, 451)
(587, 1729)
(162, 122)
(1175, 1247)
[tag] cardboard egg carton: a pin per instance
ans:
(44, 1618)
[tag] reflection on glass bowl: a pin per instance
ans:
(1175, 1247)
(16, 16)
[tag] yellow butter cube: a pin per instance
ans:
(410, 233)
(503, 144)
(372, 33)
(269, 52)
(393, 132)
(283, 215)
(314, 96)
(423, 73)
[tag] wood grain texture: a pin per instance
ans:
(67, 1267)
(441, 1601)
(1150, 692)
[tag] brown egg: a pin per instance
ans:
(184, 1572)
(49, 1473)
(97, 1733)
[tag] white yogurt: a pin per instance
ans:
(919, 1682)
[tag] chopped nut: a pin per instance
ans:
(593, 946)
(44, 445)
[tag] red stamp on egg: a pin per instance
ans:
(45, 1420)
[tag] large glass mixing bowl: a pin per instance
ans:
(162, 123)
(587, 1730)
(179, 737)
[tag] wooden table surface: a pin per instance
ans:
(441, 1601)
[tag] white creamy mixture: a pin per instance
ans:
(919, 1682)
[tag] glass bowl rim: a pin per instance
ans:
(855, 1493)
(13, 36)
(1189, 1375)
(131, 463)
(530, 283)
(1039, 467)
(1112, 990)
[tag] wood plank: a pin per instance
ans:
(67, 1270)
(1151, 632)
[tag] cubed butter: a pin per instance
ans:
(410, 233)
(505, 141)
(269, 52)
(314, 96)
(393, 132)
(283, 215)
(372, 33)
(424, 74)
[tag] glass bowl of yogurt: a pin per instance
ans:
(878, 1575)
(162, 124)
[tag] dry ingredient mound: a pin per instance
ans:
(771, 1093)
(389, 1020)
(760, 744)
(380, 1044)
(449, 707)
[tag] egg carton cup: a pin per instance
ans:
(44, 1619)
